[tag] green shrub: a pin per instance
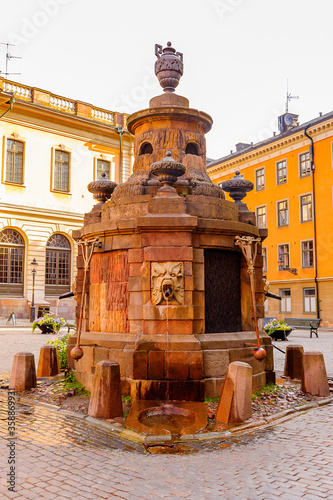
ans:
(61, 344)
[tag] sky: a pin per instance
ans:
(238, 56)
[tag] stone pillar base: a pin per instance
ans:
(23, 376)
(314, 376)
(235, 405)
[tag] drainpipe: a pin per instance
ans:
(120, 131)
(11, 104)
(311, 150)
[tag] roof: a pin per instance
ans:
(258, 145)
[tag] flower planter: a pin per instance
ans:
(46, 328)
(280, 334)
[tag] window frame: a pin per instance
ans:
(257, 189)
(13, 137)
(301, 206)
(12, 289)
(54, 290)
(277, 171)
(53, 160)
(278, 212)
(284, 302)
(264, 253)
(315, 300)
(257, 220)
(300, 164)
(278, 256)
(306, 251)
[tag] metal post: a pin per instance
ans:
(33, 312)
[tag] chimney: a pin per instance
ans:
(287, 122)
(241, 146)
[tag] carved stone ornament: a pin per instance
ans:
(168, 67)
(167, 282)
(237, 187)
(101, 190)
(167, 171)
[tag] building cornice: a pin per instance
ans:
(275, 144)
(34, 211)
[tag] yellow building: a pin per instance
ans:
(292, 174)
(51, 148)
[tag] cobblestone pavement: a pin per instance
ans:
(19, 339)
(324, 344)
(61, 457)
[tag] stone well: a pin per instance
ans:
(177, 347)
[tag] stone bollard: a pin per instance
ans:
(293, 361)
(48, 363)
(314, 376)
(235, 403)
(106, 399)
(23, 376)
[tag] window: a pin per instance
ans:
(285, 304)
(309, 300)
(264, 259)
(283, 213)
(304, 165)
(146, 149)
(281, 172)
(57, 272)
(283, 255)
(260, 179)
(14, 161)
(266, 307)
(306, 208)
(191, 149)
(11, 263)
(307, 253)
(102, 166)
(261, 216)
(61, 170)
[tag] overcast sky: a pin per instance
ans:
(238, 55)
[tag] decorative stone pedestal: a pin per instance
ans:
(23, 376)
(314, 376)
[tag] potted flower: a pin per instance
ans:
(278, 329)
(48, 323)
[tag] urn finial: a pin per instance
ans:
(168, 67)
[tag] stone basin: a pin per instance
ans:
(175, 418)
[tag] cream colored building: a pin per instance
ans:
(51, 148)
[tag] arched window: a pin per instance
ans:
(191, 149)
(11, 263)
(146, 149)
(57, 270)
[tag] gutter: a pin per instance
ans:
(313, 168)
(11, 104)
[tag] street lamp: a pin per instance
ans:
(33, 265)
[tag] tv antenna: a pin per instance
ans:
(289, 97)
(8, 58)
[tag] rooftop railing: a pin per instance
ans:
(62, 104)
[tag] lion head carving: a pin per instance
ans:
(167, 282)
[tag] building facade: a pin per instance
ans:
(292, 174)
(51, 148)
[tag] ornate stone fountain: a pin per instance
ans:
(169, 295)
